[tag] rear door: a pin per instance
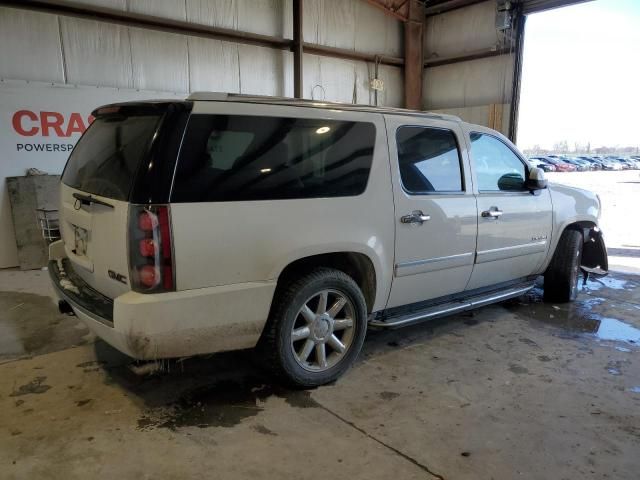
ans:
(514, 224)
(435, 209)
(95, 192)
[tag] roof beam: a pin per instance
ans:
(448, 5)
(467, 56)
(396, 8)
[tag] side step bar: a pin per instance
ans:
(450, 308)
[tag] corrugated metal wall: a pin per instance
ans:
(51, 48)
(471, 89)
(66, 51)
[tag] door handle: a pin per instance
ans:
(415, 218)
(493, 212)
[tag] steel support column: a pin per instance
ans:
(520, 20)
(413, 56)
(297, 49)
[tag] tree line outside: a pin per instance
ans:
(584, 149)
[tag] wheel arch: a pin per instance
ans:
(357, 265)
(594, 253)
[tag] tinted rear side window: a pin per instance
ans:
(236, 157)
(429, 160)
(107, 156)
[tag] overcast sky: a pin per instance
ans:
(581, 76)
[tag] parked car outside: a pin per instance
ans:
(539, 162)
(617, 160)
(560, 165)
(635, 161)
(608, 164)
(228, 222)
(580, 166)
(594, 163)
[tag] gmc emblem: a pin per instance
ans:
(117, 277)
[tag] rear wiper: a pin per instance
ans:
(88, 200)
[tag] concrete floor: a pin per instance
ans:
(521, 389)
(518, 390)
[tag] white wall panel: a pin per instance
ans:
(262, 70)
(218, 13)
(337, 80)
(330, 79)
(481, 115)
(96, 53)
(30, 46)
(213, 65)
(330, 22)
(160, 61)
(393, 94)
(477, 82)
(173, 9)
(461, 30)
(267, 17)
(376, 32)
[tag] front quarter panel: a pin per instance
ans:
(570, 205)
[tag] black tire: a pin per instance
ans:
(563, 274)
(280, 354)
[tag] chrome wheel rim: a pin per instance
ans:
(323, 330)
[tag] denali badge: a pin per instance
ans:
(117, 276)
(540, 237)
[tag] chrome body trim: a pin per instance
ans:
(451, 307)
(510, 252)
(433, 264)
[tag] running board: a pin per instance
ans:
(450, 308)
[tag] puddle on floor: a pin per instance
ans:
(30, 324)
(578, 318)
(222, 404)
(595, 284)
(612, 329)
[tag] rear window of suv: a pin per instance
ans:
(241, 157)
(106, 158)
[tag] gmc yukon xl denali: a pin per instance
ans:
(230, 222)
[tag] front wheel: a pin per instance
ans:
(562, 275)
(316, 328)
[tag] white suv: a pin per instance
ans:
(228, 222)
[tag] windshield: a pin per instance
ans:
(105, 160)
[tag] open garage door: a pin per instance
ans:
(535, 6)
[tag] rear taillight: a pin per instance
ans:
(150, 251)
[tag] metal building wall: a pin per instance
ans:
(52, 48)
(478, 90)
(142, 63)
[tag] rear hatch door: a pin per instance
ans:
(96, 191)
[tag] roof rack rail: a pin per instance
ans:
(246, 98)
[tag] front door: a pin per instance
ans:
(435, 210)
(514, 224)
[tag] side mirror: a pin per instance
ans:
(536, 180)
(511, 182)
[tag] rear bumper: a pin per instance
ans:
(173, 324)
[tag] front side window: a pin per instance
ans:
(429, 160)
(241, 157)
(497, 167)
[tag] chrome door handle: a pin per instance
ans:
(493, 212)
(416, 218)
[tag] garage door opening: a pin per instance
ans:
(578, 106)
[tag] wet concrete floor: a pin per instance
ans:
(525, 389)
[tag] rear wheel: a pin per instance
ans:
(563, 274)
(316, 328)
